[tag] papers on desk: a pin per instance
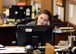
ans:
(60, 48)
(66, 28)
(57, 50)
(69, 30)
(13, 50)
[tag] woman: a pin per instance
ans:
(43, 18)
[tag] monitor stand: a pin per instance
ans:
(35, 42)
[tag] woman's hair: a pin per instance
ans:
(44, 12)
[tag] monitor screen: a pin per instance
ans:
(20, 12)
(34, 35)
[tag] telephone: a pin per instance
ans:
(71, 40)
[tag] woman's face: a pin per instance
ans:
(42, 19)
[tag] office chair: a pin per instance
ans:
(25, 21)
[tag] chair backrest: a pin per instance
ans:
(49, 49)
(25, 21)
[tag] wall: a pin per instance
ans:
(58, 10)
(0, 6)
(70, 12)
(47, 4)
(54, 7)
(9, 2)
(67, 10)
(60, 13)
(72, 18)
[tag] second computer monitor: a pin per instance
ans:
(20, 12)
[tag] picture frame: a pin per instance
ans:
(59, 2)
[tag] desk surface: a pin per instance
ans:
(7, 25)
(13, 49)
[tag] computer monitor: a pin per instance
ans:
(34, 35)
(20, 12)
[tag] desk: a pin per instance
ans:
(63, 35)
(13, 49)
(7, 25)
(60, 36)
(49, 49)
